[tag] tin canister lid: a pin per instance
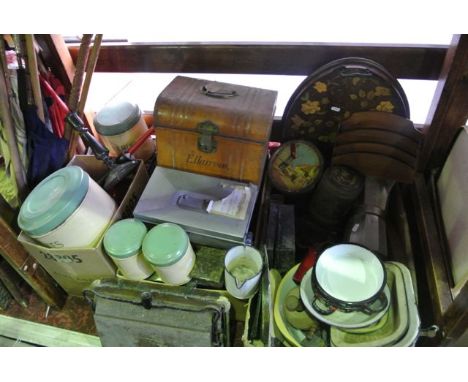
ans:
(53, 200)
(295, 167)
(123, 239)
(165, 244)
(116, 118)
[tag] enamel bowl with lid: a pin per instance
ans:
(349, 277)
(342, 319)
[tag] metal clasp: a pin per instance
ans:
(206, 142)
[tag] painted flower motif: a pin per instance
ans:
(310, 107)
(385, 106)
(321, 87)
(296, 120)
(382, 91)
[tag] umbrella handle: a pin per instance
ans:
(100, 152)
(62, 105)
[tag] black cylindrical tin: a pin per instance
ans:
(334, 196)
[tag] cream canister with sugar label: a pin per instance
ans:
(167, 248)
(122, 242)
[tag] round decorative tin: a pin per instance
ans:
(333, 93)
(295, 167)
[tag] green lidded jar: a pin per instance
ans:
(66, 209)
(167, 248)
(120, 125)
(122, 242)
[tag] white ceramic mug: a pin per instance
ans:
(242, 270)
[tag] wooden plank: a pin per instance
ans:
(42, 283)
(56, 55)
(456, 318)
(449, 109)
(402, 243)
(33, 70)
(44, 335)
(432, 252)
(403, 61)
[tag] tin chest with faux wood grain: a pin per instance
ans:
(214, 128)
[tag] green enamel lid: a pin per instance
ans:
(116, 118)
(123, 239)
(165, 244)
(53, 200)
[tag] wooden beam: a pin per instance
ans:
(456, 318)
(431, 251)
(449, 109)
(55, 54)
(32, 272)
(403, 61)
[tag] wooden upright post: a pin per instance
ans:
(449, 109)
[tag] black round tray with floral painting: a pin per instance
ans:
(335, 91)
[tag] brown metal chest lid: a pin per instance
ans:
(233, 110)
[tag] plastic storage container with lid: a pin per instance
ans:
(67, 209)
(122, 243)
(167, 248)
(119, 125)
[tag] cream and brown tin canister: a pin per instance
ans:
(119, 125)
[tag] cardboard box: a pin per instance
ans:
(75, 268)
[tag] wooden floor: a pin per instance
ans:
(75, 315)
(9, 342)
(38, 325)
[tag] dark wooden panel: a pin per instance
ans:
(403, 61)
(432, 254)
(456, 318)
(55, 54)
(449, 109)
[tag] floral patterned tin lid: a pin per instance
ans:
(333, 93)
(295, 167)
